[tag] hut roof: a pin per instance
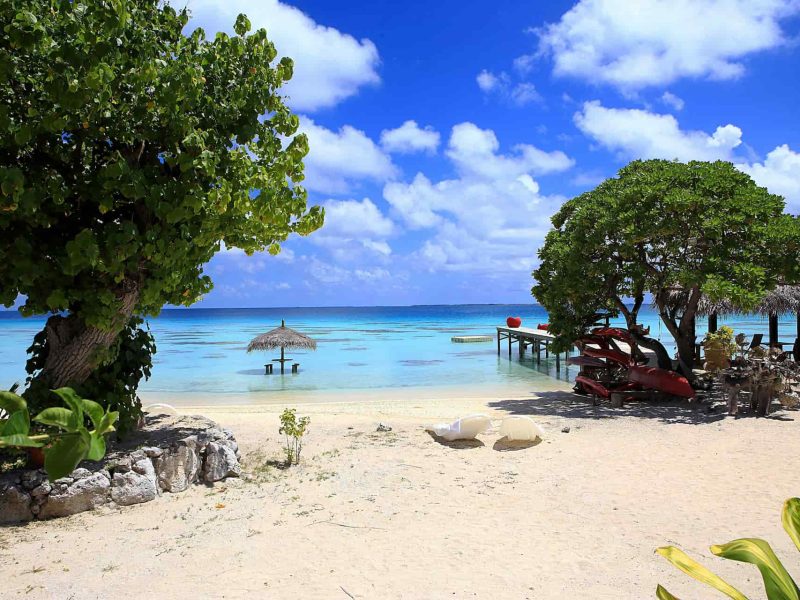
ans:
(281, 337)
(705, 306)
(781, 300)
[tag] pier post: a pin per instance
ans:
(558, 362)
(498, 342)
(509, 345)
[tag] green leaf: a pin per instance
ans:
(18, 441)
(94, 410)
(694, 569)
(64, 455)
(75, 404)
(107, 422)
(663, 594)
(56, 416)
(97, 448)
(242, 25)
(791, 519)
(18, 423)
(777, 582)
(11, 402)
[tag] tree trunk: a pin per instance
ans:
(662, 356)
(686, 353)
(75, 349)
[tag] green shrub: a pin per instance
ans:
(293, 430)
(68, 441)
(778, 584)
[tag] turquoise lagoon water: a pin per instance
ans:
(203, 351)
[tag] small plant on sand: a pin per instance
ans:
(778, 584)
(69, 443)
(293, 430)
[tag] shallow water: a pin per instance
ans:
(203, 351)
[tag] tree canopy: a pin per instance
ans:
(129, 154)
(658, 228)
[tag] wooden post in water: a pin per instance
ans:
(712, 323)
(773, 330)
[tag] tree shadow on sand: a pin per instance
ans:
(575, 406)
(458, 444)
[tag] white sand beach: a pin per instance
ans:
(399, 515)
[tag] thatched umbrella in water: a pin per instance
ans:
(282, 337)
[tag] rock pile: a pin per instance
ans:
(168, 454)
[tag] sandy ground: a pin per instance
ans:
(399, 515)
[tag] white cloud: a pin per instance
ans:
(524, 64)
(409, 137)
(489, 220)
(488, 81)
(475, 152)
(636, 133)
(633, 45)
(336, 159)
(672, 100)
(329, 66)
(524, 93)
(353, 218)
(780, 174)
(519, 94)
(353, 227)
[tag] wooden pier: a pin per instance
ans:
(539, 339)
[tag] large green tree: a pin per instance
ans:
(665, 232)
(129, 154)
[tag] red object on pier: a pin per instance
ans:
(543, 326)
(513, 321)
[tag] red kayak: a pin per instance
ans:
(622, 335)
(661, 380)
(586, 361)
(612, 355)
(590, 385)
(592, 339)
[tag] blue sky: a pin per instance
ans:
(445, 134)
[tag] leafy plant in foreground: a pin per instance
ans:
(72, 441)
(293, 429)
(778, 584)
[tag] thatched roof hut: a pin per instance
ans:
(282, 337)
(782, 300)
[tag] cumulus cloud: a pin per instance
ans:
(353, 217)
(637, 133)
(780, 174)
(409, 138)
(474, 151)
(672, 100)
(329, 65)
(337, 159)
(489, 219)
(354, 228)
(501, 85)
(655, 42)
(488, 81)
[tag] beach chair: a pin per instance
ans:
(756, 341)
(465, 428)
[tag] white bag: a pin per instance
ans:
(466, 428)
(520, 428)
